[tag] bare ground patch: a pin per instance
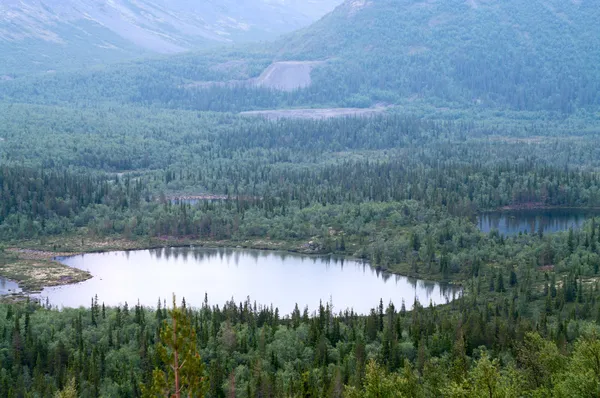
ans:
(33, 275)
(316, 114)
(519, 140)
(287, 75)
(357, 5)
(284, 76)
(211, 84)
(209, 197)
(535, 139)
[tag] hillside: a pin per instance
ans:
(496, 54)
(400, 200)
(42, 35)
(526, 55)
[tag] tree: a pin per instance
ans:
(571, 241)
(69, 391)
(539, 359)
(377, 384)
(485, 377)
(178, 351)
(500, 282)
(513, 277)
(582, 378)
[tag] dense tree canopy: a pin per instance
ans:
(495, 110)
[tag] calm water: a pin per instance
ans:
(280, 279)
(8, 287)
(513, 222)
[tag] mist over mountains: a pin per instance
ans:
(493, 54)
(42, 35)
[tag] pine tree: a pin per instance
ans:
(178, 351)
(570, 241)
(500, 282)
(70, 391)
(513, 277)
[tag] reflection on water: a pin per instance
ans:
(280, 279)
(530, 221)
(8, 287)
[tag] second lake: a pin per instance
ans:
(530, 221)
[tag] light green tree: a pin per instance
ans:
(377, 384)
(70, 391)
(487, 381)
(582, 378)
(177, 348)
(485, 377)
(540, 360)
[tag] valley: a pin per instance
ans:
(93, 33)
(375, 198)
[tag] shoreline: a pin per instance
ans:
(538, 206)
(33, 265)
(42, 256)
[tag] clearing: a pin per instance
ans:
(284, 76)
(316, 114)
(287, 75)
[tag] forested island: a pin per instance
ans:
(383, 133)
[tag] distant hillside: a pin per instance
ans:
(523, 54)
(535, 55)
(43, 35)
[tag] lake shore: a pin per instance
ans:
(538, 206)
(274, 278)
(33, 265)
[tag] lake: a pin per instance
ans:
(8, 287)
(280, 279)
(551, 220)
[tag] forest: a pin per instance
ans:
(487, 344)
(397, 190)
(485, 107)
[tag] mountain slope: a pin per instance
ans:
(502, 54)
(51, 34)
(523, 54)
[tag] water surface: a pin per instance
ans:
(530, 221)
(8, 287)
(280, 279)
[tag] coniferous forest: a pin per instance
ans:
(481, 107)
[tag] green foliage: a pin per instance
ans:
(582, 379)
(68, 392)
(126, 152)
(178, 351)
(248, 350)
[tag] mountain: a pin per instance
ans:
(43, 35)
(501, 54)
(525, 55)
